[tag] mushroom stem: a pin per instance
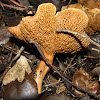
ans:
(42, 70)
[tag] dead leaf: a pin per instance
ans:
(17, 72)
(4, 35)
(83, 80)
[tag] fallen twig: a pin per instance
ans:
(8, 48)
(92, 57)
(60, 74)
(96, 50)
(69, 3)
(18, 3)
(7, 69)
(17, 8)
(69, 64)
(76, 33)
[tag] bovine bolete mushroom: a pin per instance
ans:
(42, 28)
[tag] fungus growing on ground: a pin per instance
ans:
(93, 15)
(42, 28)
(94, 21)
(74, 20)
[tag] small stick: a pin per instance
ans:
(17, 8)
(60, 65)
(92, 57)
(96, 50)
(60, 74)
(18, 4)
(69, 3)
(7, 69)
(76, 33)
(59, 81)
(8, 48)
(69, 64)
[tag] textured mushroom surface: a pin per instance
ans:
(74, 20)
(76, 5)
(94, 21)
(93, 15)
(42, 29)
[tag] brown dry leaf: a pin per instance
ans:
(82, 79)
(17, 72)
(4, 35)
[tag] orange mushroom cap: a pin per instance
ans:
(94, 21)
(93, 15)
(76, 5)
(42, 29)
(74, 20)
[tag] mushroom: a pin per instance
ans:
(94, 21)
(42, 28)
(93, 15)
(74, 20)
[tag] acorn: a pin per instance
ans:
(25, 90)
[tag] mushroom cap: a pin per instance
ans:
(42, 28)
(90, 3)
(94, 21)
(39, 27)
(93, 15)
(74, 20)
(16, 32)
